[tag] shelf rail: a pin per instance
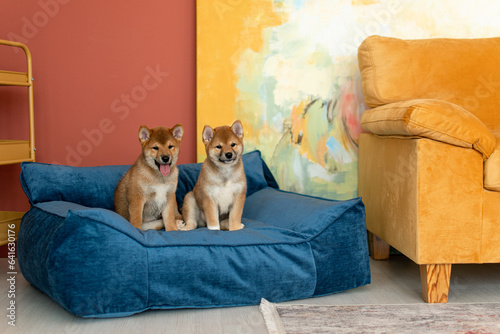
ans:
(10, 149)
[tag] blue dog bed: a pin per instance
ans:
(91, 261)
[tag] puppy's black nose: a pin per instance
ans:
(229, 155)
(165, 158)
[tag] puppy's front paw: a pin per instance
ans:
(180, 224)
(238, 227)
(185, 226)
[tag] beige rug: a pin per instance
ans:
(411, 318)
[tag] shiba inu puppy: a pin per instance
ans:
(145, 195)
(219, 194)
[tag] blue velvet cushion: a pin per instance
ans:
(95, 186)
(95, 264)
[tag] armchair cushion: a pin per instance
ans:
(462, 71)
(433, 119)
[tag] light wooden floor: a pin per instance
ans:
(395, 281)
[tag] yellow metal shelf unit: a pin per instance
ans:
(17, 151)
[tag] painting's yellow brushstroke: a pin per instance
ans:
(309, 132)
(321, 150)
(299, 128)
(364, 2)
(224, 30)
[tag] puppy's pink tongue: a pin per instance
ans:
(165, 169)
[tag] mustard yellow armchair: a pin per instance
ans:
(429, 164)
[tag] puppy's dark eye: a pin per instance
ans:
(218, 147)
(155, 148)
(170, 147)
(233, 144)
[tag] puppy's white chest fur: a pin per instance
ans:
(157, 200)
(224, 195)
(160, 192)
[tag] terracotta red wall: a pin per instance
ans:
(101, 69)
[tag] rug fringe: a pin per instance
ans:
(271, 317)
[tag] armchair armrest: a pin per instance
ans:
(434, 119)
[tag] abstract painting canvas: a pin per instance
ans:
(288, 70)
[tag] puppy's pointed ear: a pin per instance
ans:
(207, 134)
(144, 134)
(177, 132)
(237, 128)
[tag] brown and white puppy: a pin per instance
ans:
(219, 195)
(145, 195)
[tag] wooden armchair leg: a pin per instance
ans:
(435, 282)
(379, 249)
